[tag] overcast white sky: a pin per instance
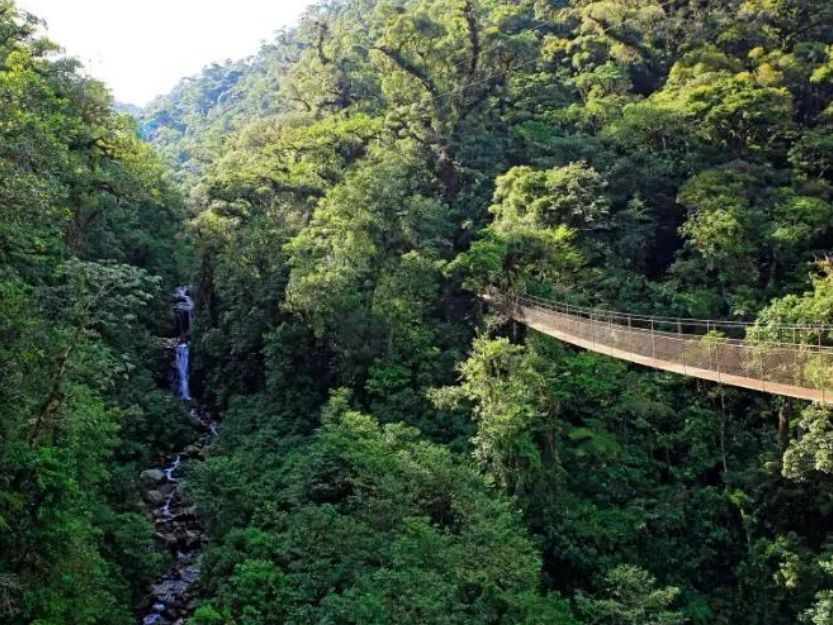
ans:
(141, 48)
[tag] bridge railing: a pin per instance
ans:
(803, 335)
(695, 347)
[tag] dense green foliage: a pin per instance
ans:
(390, 450)
(87, 241)
(404, 531)
(188, 125)
(664, 157)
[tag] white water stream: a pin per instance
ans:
(171, 595)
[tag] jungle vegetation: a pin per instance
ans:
(391, 450)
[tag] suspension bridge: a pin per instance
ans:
(789, 360)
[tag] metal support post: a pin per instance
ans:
(653, 340)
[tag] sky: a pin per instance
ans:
(142, 48)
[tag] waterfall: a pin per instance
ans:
(179, 530)
(184, 311)
(182, 366)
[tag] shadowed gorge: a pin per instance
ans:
(329, 425)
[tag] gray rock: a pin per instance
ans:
(192, 451)
(152, 476)
(155, 498)
(189, 512)
(170, 542)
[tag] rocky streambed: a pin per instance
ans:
(179, 530)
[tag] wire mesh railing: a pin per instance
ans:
(728, 352)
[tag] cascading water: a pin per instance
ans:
(178, 527)
(183, 364)
(184, 312)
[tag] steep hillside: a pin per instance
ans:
(90, 246)
(189, 125)
(391, 450)
(660, 157)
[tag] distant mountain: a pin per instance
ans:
(189, 124)
(130, 109)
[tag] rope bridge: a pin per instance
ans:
(788, 365)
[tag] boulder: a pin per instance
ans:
(155, 498)
(152, 476)
(192, 451)
(168, 540)
(189, 512)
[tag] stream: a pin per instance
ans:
(178, 527)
